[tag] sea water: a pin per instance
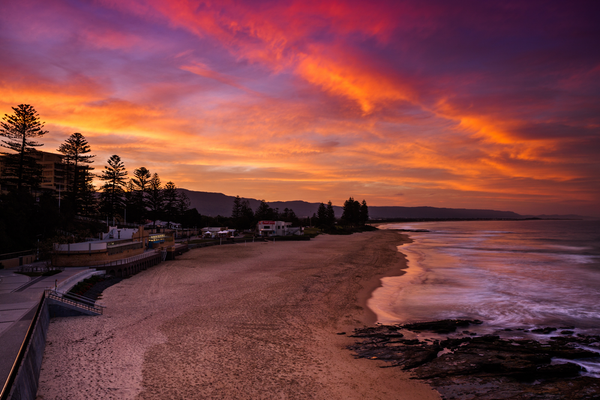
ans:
(509, 274)
(514, 276)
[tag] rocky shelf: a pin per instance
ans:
(466, 366)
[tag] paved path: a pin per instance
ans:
(19, 297)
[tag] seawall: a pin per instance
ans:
(25, 383)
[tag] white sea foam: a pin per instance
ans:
(506, 273)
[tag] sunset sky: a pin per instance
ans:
(463, 104)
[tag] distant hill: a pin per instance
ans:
(214, 204)
(438, 213)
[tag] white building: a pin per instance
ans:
(277, 228)
(115, 233)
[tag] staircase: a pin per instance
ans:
(73, 301)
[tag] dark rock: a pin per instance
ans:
(543, 331)
(486, 366)
(442, 327)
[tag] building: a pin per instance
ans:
(116, 244)
(277, 228)
(53, 171)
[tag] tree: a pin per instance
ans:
(351, 213)
(170, 198)
(87, 199)
(289, 215)
(76, 149)
(139, 184)
(113, 175)
(363, 215)
(236, 211)
(155, 198)
(330, 214)
(321, 215)
(19, 129)
(247, 215)
(141, 179)
(130, 202)
(183, 203)
(264, 212)
(242, 214)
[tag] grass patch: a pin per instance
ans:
(311, 232)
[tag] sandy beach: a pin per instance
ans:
(255, 321)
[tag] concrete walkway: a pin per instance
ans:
(19, 297)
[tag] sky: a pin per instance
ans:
(461, 104)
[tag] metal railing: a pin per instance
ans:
(19, 359)
(127, 260)
(75, 300)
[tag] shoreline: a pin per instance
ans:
(369, 287)
(244, 321)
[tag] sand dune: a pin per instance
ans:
(256, 321)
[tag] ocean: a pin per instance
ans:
(508, 274)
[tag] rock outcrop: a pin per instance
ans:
(486, 367)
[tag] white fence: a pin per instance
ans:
(87, 246)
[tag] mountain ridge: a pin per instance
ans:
(213, 204)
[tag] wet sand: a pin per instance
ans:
(255, 321)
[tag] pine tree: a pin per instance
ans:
(87, 194)
(289, 215)
(129, 201)
(183, 203)
(351, 213)
(20, 168)
(170, 198)
(321, 215)
(236, 211)
(247, 215)
(330, 214)
(140, 184)
(363, 213)
(264, 212)
(155, 198)
(76, 149)
(113, 190)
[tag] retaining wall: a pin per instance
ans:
(18, 261)
(91, 258)
(25, 384)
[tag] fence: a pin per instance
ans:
(22, 381)
(127, 260)
(89, 246)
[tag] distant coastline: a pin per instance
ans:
(214, 204)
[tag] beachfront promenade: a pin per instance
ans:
(19, 297)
